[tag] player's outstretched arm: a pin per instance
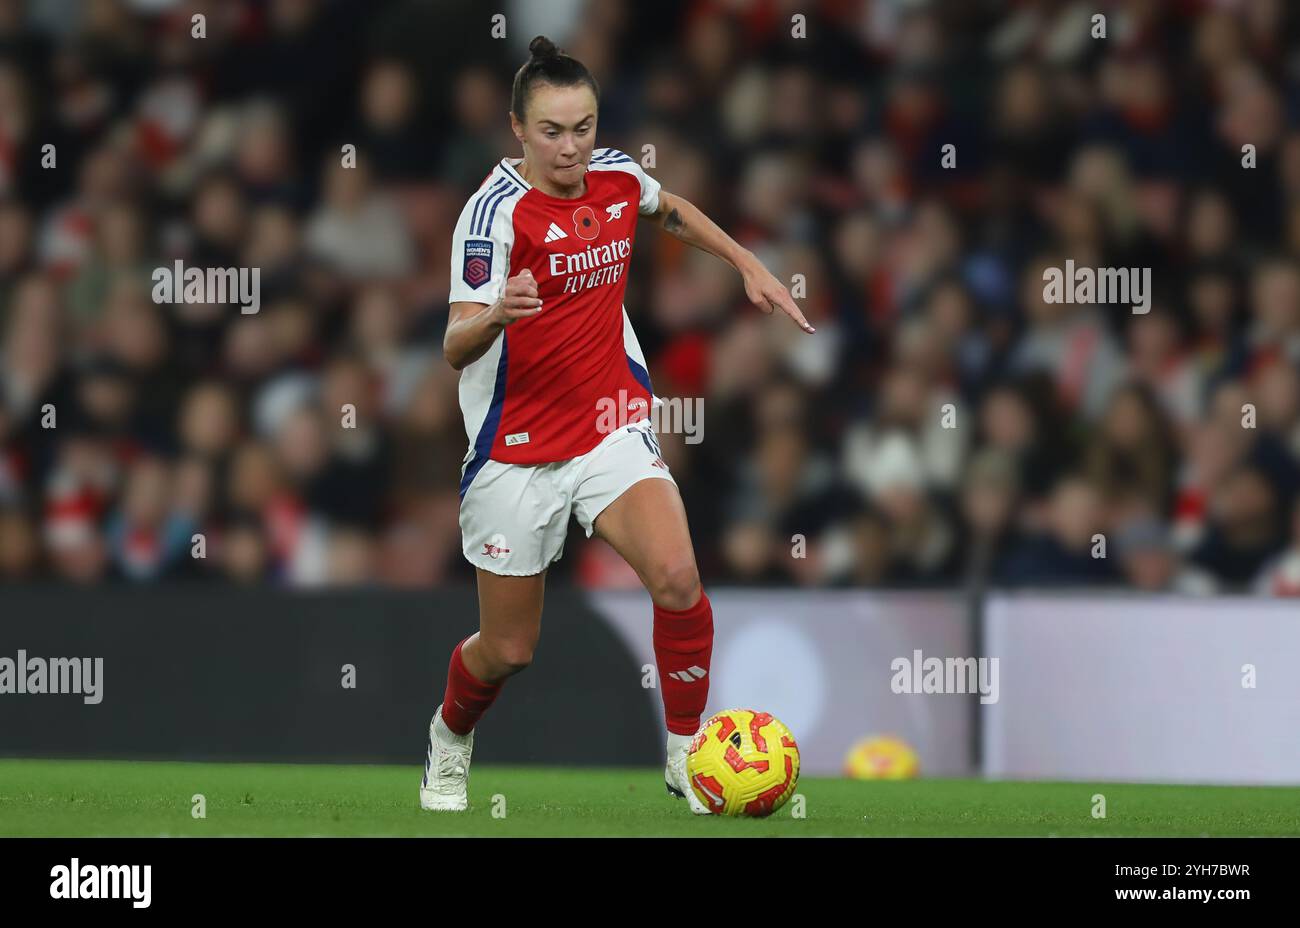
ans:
(473, 327)
(682, 219)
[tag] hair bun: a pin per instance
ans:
(542, 47)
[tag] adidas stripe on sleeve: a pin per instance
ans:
(480, 252)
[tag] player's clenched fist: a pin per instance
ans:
(518, 300)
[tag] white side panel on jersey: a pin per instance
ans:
(485, 233)
(487, 217)
(611, 159)
(633, 349)
(477, 384)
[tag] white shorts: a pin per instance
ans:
(514, 517)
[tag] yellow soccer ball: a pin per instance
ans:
(743, 762)
(884, 758)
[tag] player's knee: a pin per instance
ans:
(675, 585)
(512, 656)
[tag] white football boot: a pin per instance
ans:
(446, 768)
(675, 773)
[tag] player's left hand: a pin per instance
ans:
(767, 293)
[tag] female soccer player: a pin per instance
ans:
(556, 400)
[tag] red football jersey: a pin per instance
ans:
(551, 386)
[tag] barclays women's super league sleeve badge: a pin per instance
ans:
(478, 263)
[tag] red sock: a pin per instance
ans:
(467, 697)
(683, 647)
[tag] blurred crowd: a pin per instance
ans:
(946, 426)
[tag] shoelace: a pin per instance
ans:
(450, 765)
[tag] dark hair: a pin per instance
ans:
(551, 66)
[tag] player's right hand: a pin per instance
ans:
(518, 300)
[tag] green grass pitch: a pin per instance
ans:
(122, 798)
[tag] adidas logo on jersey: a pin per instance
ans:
(555, 233)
